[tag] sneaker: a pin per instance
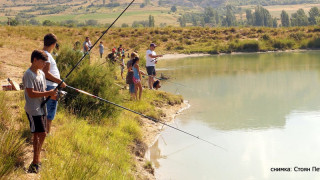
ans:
(34, 168)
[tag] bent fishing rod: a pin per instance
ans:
(148, 117)
(85, 54)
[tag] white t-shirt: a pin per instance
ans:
(150, 61)
(53, 69)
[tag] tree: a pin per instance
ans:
(299, 18)
(275, 22)
(262, 17)
(173, 8)
(208, 14)
(14, 22)
(249, 17)
(48, 23)
(182, 20)
(92, 22)
(285, 21)
(34, 22)
(313, 14)
(230, 18)
(217, 17)
(195, 20)
(151, 21)
(124, 25)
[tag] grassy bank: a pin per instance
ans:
(78, 148)
(91, 139)
(172, 39)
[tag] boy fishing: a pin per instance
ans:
(34, 82)
(151, 63)
(52, 73)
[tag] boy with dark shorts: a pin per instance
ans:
(151, 63)
(34, 82)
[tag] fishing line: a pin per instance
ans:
(85, 54)
(148, 117)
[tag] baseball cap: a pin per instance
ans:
(153, 44)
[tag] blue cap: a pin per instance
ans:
(153, 44)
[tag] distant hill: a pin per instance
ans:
(221, 3)
(103, 12)
(186, 3)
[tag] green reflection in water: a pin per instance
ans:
(263, 108)
(246, 91)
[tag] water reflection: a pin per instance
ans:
(263, 108)
(246, 91)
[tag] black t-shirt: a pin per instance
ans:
(112, 57)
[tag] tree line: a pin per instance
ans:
(259, 17)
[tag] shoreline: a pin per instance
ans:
(151, 132)
(182, 55)
(179, 56)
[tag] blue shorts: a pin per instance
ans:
(131, 88)
(51, 105)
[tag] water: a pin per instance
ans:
(263, 108)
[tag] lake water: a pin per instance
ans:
(264, 109)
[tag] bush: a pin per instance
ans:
(314, 43)
(265, 37)
(48, 23)
(297, 36)
(283, 44)
(245, 46)
(97, 80)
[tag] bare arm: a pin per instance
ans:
(152, 56)
(36, 94)
(137, 66)
(142, 73)
(51, 77)
(130, 69)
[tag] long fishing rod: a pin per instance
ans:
(148, 117)
(85, 54)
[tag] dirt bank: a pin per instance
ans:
(151, 132)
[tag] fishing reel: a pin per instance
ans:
(61, 95)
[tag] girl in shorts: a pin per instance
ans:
(137, 77)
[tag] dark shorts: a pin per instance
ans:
(37, 123)
(151, 70)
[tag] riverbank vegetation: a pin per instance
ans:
(172, 39)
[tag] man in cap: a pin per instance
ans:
(151, 63)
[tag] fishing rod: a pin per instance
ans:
(85, 54)
(148, 117)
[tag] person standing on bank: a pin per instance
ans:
(151, 63)
(137, 77)
(34, 83)
(86, 45)
(129, 78)
(53, 75)
(101, 49)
